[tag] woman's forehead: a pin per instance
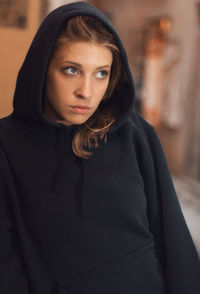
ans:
(81, 52)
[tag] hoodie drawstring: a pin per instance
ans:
(63, 151)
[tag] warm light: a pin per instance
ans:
(165, 25)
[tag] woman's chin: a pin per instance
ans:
(73, 121)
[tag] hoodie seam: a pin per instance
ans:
(136, 252)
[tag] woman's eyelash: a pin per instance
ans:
(104, 72)
(67, 70)
(72, 70)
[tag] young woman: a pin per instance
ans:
(87, 205)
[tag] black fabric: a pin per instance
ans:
(109, 224)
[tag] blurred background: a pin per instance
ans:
(162, 39)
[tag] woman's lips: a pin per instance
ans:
(80, 109)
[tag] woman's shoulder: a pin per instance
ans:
(137, 120)
(147, 131)
(140, 126)
(147, 134)
(5, 123)
(6, 129)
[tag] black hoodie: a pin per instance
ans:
(110, 224)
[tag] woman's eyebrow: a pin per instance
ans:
(79, 65)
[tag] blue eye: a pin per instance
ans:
(71, 70)
(102, 74)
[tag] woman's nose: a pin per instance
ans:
(84, 88)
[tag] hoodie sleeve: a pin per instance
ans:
(175, 248)
(12, 278)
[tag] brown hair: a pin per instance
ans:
(88, 28)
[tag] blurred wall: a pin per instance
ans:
(131, 18)
(14, 45)
(53, 4)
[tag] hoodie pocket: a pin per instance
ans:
(136, 272)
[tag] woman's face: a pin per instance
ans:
(77, 79)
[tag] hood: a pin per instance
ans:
(27, 103)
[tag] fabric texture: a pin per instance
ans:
(110, 224)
